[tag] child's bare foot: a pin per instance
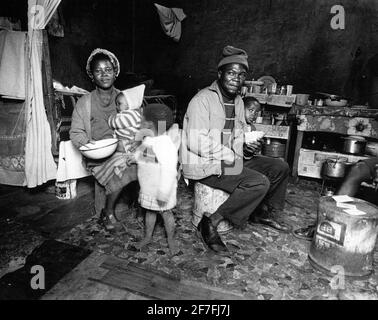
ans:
(142, 243)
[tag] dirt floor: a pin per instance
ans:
(263, 264)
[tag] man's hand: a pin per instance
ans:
(252, 148)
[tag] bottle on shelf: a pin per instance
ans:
(284, 121)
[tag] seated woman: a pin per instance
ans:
(90, 122)
(362, 171)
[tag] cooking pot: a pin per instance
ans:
(274, 149)
(301, 99)
(336, 103)
(372, 148)
(354, 145)
(333, 100)
(335, 167)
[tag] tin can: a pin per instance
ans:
(274, 88)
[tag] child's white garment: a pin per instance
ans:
(157, 159)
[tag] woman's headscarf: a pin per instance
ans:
(113, 59)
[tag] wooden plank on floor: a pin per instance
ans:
(154, 284)
(77, 285)
(116, 263)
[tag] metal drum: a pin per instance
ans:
(344, 240)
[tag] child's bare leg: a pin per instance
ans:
(170, 225)
(150, 224)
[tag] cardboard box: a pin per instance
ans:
(310, 162)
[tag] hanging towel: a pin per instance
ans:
(70, 164)
(12, 64)
(170, 20)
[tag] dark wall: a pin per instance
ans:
(290, 40)
(89, 24)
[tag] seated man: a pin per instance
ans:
(213, 149)
(362, 171)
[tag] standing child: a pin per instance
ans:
(126, 122)
(157, 160)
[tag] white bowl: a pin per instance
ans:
(99, 149)
(336, 103)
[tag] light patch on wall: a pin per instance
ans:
(326, 124)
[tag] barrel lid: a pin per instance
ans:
(370, 210)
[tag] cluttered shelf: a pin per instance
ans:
(347, 111)
(355, 132)
(274, 99)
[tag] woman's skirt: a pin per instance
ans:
(114, 173)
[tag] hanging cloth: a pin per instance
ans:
(170, 20)
(12, 64)
(40, 166)
(70, 163)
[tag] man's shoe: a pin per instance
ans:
(210, 236)
(306, 233)
(272, 223)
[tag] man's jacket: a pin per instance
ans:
(201, 149)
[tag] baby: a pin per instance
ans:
(126, 122)
(252, 109)
(157, 160)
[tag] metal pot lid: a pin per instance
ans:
(333, 97)
(359, 138)
(337, 159)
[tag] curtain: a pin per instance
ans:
(12, 142)
(39, 162)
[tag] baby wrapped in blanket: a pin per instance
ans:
(126, 123)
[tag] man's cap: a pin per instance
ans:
(231, 54)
